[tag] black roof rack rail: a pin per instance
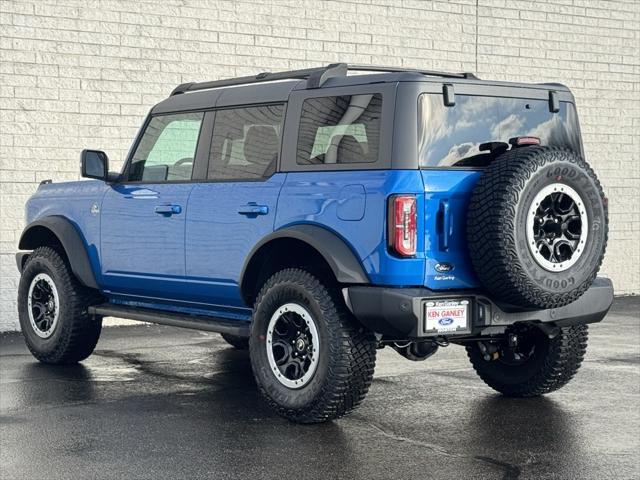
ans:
(315, 77)
(432, 73)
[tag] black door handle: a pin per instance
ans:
(253, 209)
(168, 210)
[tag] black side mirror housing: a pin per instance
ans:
(94, 164)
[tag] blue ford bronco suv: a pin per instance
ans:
(317, 215)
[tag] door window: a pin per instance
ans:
(338, 130)
(167, 149)
(245, 143)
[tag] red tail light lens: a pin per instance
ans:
(524, 141)
(403, 234)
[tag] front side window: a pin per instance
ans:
(167, 149)
(451, 136)
(245, 143)
(339, 130)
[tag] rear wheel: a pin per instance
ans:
(52, 306)
(527, 363)
(311, 359)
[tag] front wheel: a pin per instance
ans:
(311, 360)
(52, 306)
(527, 363)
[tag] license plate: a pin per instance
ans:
(447, 316)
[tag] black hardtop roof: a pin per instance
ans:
(276, 87)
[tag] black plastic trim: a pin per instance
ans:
(554, 103)
(21, 258)
(315, 77)
(343, 262)
(397, 313)
(71, 241)
(430, 73)
(449, 95)
(195, 322)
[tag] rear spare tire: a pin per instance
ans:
(537, 227)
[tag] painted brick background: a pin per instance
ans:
(76, 74)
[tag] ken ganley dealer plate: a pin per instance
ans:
(447, 316)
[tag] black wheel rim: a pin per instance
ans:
(43, 305)
(557, 227)
(292, 345)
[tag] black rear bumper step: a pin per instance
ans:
(161, 317)
(399, 313)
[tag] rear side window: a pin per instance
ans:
(167, 148)
(245, 143)
(450, 136)
(339, 130)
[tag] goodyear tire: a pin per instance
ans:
(52, 307)
(537, 227)
(310, 358)
(542, 366)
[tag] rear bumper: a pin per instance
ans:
(399, 313)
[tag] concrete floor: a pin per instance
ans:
(158, 402)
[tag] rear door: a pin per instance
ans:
(235, 207)
(143, 217)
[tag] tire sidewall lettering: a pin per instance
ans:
(573, 176)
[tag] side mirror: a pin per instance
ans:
(94, 164)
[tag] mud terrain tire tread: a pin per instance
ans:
(78, 332)
(351, 352)
(563, 359)
(491, 228)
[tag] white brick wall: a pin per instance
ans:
(82, 73)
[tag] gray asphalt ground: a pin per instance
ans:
(158, 402)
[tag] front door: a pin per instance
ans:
(235, 208)
(143, 217)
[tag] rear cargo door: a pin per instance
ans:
(447, 193)
(452, 157)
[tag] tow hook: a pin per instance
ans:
(489, 351)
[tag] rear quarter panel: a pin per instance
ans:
(332, 200)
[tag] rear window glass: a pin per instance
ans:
(339, 130)
(450, 136)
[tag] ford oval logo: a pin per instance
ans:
(443, 267)
(445, 321)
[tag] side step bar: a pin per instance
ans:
(195, 322)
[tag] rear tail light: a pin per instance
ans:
(403, 232)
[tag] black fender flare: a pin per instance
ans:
(70, 239)
(343, 262)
